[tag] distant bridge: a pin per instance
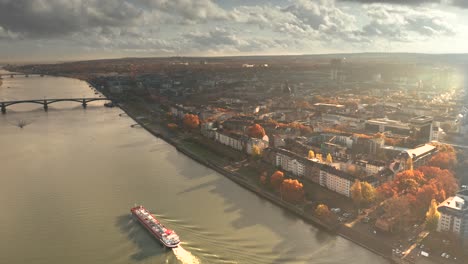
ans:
(46, 102)
(13, 75)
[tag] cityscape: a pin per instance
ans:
(261, 154)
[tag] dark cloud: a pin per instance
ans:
(49, 18)
(461, 3)
(58, 17)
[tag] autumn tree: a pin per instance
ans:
(431, 172)
(256, 131)
(368, 192)
(319, 157)
(276, 179)
(191, 121)
(409, 164)
(322, 211)
(444, 160)
(311, 154)
(432, 216)
(256, 151)
(443, 147)
(409, 181)
(446, 183)
(292, 191)
(329, 158)
(424, 196)
(356, 192)
(386, 191)
(399, 209)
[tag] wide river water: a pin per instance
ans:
(69, 177)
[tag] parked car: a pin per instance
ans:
(336, 210)
(347, 215)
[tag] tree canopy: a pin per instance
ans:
(292, 191)
(322, 211)
(191, 121)
(276, 179)
(444, 160)
(256, 131)
(432, 216)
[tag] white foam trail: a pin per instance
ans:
(184, 256)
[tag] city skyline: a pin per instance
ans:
(58, 30)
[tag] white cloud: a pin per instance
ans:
(399, 23)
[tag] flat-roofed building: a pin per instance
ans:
(339, 181)
(420, 128)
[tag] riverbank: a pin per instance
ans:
(366, 241)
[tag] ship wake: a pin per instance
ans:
(185, 256)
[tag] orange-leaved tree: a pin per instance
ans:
(444, 160)
(322, 211)
(292, 191)
(256, 131)
(409, 181)
(386, 191)
(191, 121)
(276, 179)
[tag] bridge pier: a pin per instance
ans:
(84, 104)
(46, 107)
(3, 108)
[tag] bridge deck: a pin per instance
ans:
(56, 100)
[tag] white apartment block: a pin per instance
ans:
(336, 183)
(228, 140)
(454, 215)
(290, 164)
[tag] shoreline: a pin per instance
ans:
(370, 243)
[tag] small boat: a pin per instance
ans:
(109, 104)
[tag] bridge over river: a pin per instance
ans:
(13, 75)
(46, 102)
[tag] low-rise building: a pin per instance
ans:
(371, 167)
(420, 155)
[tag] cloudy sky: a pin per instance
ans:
(84, 29)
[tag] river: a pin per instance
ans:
(69, 177)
